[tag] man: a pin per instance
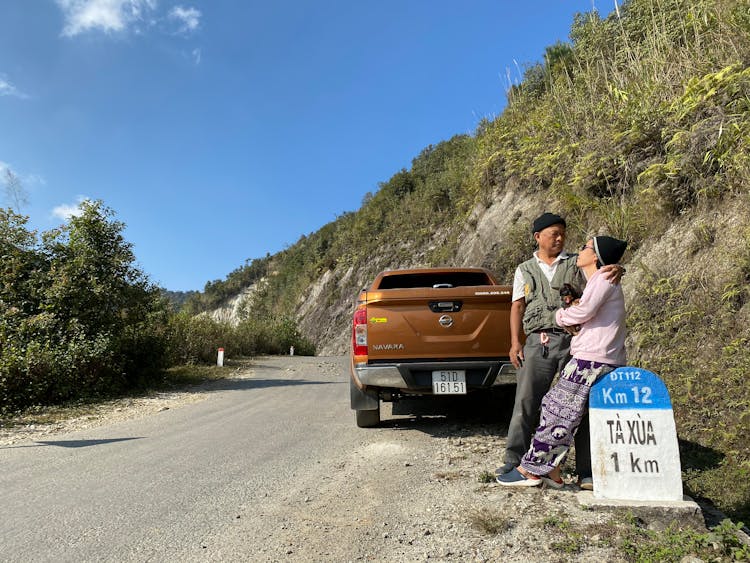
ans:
(536, 297)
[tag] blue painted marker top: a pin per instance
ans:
(630, 388)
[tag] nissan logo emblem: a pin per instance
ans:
(446, 321)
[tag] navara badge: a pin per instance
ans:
(446, 321)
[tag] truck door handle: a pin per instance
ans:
(445, 306)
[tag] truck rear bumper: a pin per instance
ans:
(418, 375)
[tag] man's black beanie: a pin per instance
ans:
(609, 250)
(546, 220)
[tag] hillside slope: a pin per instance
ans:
(638, 128)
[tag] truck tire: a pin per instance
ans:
(368, 419)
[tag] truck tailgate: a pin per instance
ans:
(461, 322)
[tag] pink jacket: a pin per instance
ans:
(601, 314)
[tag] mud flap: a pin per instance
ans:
(363, 400)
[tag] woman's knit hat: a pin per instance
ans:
(609, 250)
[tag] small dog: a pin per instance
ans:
(570, 296)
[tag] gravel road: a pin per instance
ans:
(270, 466)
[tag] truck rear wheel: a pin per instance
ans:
(368, 419)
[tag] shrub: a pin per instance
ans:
(195, 340)
(77, 318)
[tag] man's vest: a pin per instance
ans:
(543, 297)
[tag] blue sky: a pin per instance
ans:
(220, 131)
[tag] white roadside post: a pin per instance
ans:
(634, 452)
(220, 358)
(291, 350)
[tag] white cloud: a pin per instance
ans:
(65, 211)
(108, 16)
(189, 19)
(197, 56)
(8, 89)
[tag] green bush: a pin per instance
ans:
(196, 339)
(57, 368)
(77, 318)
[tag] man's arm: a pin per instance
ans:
(613, 273)
(517, 309)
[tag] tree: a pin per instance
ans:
(13, 189)
(96, 291)
(93, 278)
(21, 265)
(77, 317)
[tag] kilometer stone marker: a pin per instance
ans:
(634, 452)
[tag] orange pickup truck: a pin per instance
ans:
(433, 331)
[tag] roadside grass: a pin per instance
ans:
(490, 521)
(571, 538)
(486, 477)
(721, 543)
(171, 379)
(42, 415)
(627, 534)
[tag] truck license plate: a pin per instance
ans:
(449, 382)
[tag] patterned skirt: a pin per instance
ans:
(563, 408)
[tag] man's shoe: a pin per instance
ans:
(506, 468)
(586, 483)
(515, 478)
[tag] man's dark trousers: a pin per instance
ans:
(533, 381)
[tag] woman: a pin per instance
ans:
(597, 349)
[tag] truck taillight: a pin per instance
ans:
(359, 333)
